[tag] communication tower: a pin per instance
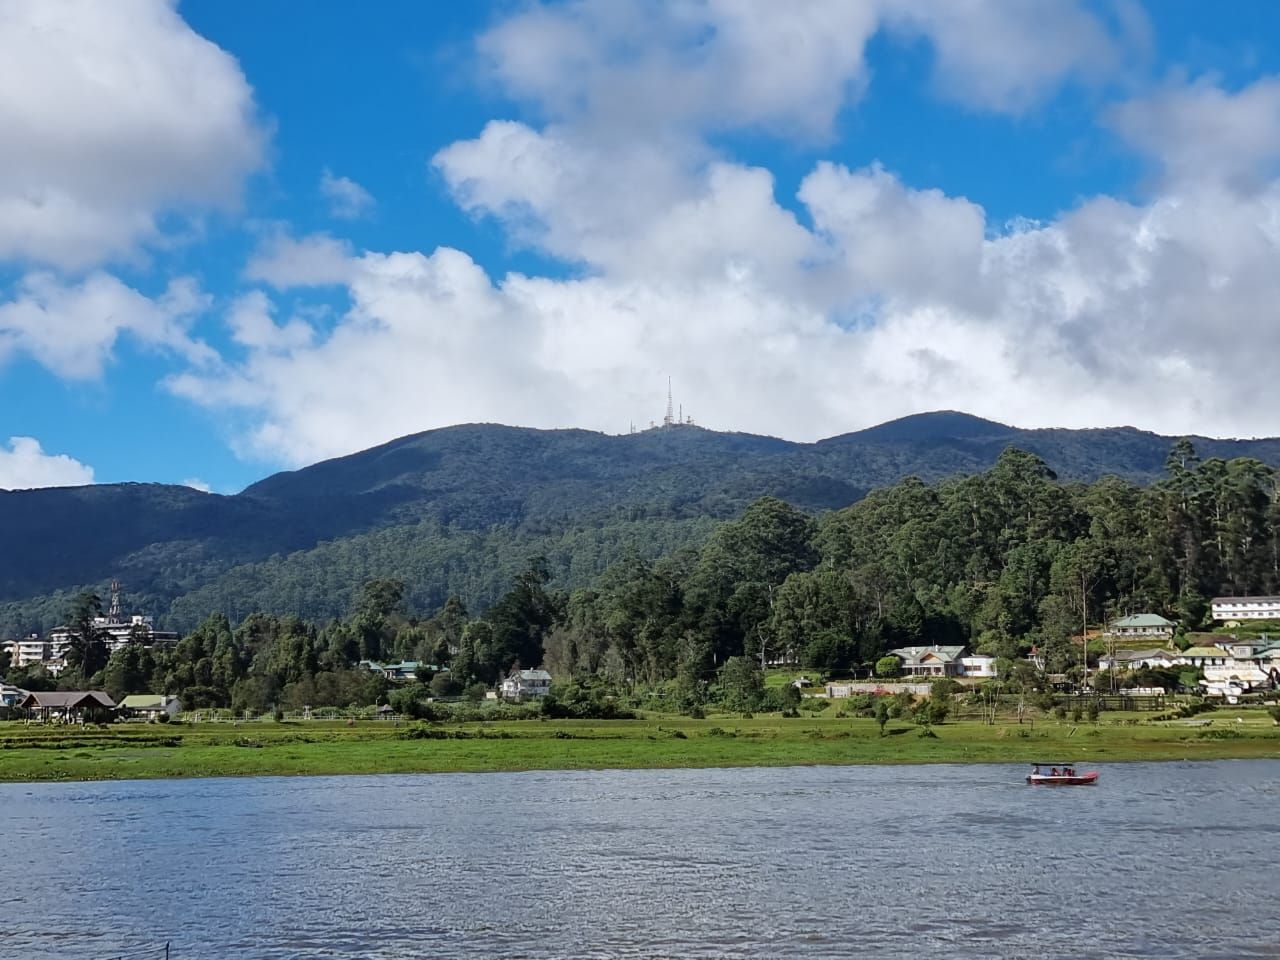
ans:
(114, 613)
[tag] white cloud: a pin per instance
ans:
(1199, 131)
(313, 261)
(347, 199)
(25, 465)
(627, 66)
(195, 483)
(899, 300)
(71, 329)
(122, 113)
(1006, 55)
(252, 325)
(876, 300)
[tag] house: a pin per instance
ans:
(1247, 666)
(978, 666)
(934, 661)
(1157, 657)
(10, 695)
(802, 683)
(69, 706)
(150, 706)
(525, 683)
(937, 661)
(1245, 608)
(400, 672)
(1142, 625)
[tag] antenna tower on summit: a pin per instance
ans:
(670, 418)
(114, 613)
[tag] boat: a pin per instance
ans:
(1060, 775)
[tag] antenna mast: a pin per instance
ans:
(114, 613)
(670, 418)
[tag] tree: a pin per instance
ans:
(444, 685)
(882, 713)
(741, 684)
(87, 645)
(889, 666)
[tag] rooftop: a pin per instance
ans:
(1142, 620)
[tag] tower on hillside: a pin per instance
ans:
(670, 418)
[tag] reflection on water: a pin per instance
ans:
(1160, 860)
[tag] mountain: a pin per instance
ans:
(460, 509)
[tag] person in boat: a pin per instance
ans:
(1053, 772)
(1068, 771)
(1035, 770)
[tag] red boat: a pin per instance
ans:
(1060, 775)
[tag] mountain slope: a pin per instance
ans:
(457, 509)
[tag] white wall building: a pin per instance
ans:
(525, 683)
(1245, 608)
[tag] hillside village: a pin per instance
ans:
(1141, 658)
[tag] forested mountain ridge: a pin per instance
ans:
(460, 509)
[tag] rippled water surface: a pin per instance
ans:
(1159, 860)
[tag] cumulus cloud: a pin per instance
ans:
(347, 199)
(861, 298)
(123, 113)
(25, 465)
(628, 66)
(195, 483)
(1006, 55)
(72, 328)
(1199, 131)
(284, 261)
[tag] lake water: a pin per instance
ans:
(1159, 860)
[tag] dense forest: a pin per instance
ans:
(1001, 561)
(458, 512)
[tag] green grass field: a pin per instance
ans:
(314, 748)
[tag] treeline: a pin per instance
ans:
(1001, 561)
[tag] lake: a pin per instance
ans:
(1159, 860)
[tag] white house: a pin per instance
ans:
(523, 684)
(1134, 659)
(149, 706)
(979, 666)
(938, 661)
(1245, 608)
(1142, 625)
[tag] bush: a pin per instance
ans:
(277, 715)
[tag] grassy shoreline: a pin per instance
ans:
(31, 754)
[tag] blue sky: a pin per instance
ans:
(241, 239)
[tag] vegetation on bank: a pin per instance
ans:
(268, 748)
(1001, 561)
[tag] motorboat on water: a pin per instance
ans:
(1060, 775)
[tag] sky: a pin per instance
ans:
(238, 237)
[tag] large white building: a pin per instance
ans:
(525, 683)
(1245, 608)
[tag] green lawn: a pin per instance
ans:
(270, 749)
